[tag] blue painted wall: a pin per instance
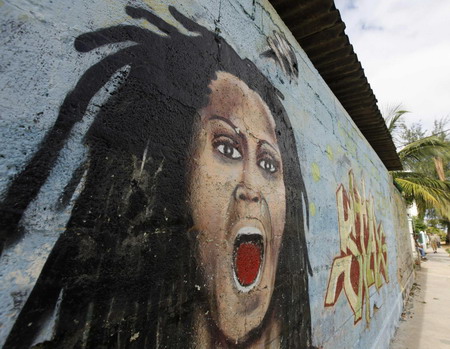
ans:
(40, 68)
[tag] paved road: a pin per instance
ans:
(426, 319)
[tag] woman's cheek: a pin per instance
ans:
(277, 206)
(275, 193)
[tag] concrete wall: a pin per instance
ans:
(177, 174)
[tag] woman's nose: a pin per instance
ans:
(245, 193)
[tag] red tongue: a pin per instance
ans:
(248, 260)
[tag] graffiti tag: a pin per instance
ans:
(362, 262)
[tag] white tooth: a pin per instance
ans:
(249, 231)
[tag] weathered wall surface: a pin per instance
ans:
(177, 174)
(405, 273)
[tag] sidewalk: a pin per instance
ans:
(426, 318)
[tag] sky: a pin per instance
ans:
(404, 49)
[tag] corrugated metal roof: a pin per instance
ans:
(318, 27)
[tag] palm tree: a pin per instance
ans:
(428, 193)
(393, 117)
(440, 130)
(417, 182)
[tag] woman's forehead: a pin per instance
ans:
(232, 99)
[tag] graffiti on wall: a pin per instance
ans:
(362, 262)
(188, 230)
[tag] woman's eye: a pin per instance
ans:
(229, 151)
(268, 165)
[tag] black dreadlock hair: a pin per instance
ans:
(122, 275)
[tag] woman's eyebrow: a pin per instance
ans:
(263, 142)
(227, 121)
(236, 129)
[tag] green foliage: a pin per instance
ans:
(414, 154)
(423, 159)
(425, 191)
(418, 225)
(433, 222)
(433, 230)
(393, 116)
(413, 133)
(441, 130)
(441, 127)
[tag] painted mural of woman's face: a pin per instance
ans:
(238, 202)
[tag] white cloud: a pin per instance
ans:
(404, 48)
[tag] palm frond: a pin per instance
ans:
(424, 149)
(393, 119)
(427, 192)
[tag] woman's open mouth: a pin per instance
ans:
(248, 256)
